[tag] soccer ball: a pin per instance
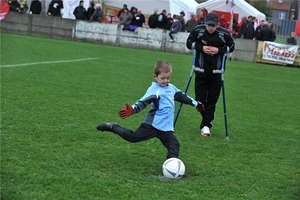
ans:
(173, 168)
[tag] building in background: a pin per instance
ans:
(285, 9)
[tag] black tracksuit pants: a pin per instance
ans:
(207, 91)
(145, 132)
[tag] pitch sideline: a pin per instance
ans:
(47, 62)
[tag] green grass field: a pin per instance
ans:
(54, 93)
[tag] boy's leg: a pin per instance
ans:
(170, 141)
(170, 34)
(214, 89)
(144, 132)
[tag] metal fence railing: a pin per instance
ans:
(283, 29)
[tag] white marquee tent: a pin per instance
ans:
(147, 6)
(241, 7)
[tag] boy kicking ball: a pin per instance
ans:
(159, 120)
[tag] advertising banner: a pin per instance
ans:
(279, 52)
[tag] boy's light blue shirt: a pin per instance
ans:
(161, 115)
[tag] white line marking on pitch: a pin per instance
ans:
(47, 62)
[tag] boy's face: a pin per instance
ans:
(211, 28)
(163, 78)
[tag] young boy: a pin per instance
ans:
(159, 120)
(175, 27)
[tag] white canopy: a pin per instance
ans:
(241, 7)
(147, 6)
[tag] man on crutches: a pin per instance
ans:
(211, 43)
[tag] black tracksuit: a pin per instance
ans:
(208, 84)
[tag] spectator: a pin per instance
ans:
(35, 7)
(161, 21)
(138, 19)
(182, 20)
(125, 19)
(175, 27)
(152, 19)
(54, 8)
(122, 10)
(22, 6)
(90, 11)
(249, 32)
(222, 22)
(191, 23)
(201, 17)
(161, 96)
(273, 36)
(80, 11)
(258, 29)
(292, 40)
(13, 5)
(265, 33)
(234, 25)
(170, 21)
(98, 14)
(133, 11)
(242, 26)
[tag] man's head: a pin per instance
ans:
(293, 34)
(81, 3)
(182, 13)
(162, 72)
(212, 22)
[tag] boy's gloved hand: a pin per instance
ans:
(200, 107)
(126, 112)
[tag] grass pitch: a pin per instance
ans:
(54, 93)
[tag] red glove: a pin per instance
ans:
(200, 107)
(126, 112)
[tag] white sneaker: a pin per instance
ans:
(205, 132)
(171, 40)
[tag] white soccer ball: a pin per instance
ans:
(173, 168)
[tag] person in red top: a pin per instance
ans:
(222, 22)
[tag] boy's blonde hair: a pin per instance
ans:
(162, 66)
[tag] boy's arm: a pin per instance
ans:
(184, 98)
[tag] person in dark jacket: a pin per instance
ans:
(35, 7)
(191, 23)
(273, 36)
(265, 33)
(211, 43)
(258, 29)
(182, 21)
(90, 11)
(250, 32)
(55, 7)
(138, 19)
(291, 40)
(80, 11)
(152, 19)
(170, 21)
(161, 20)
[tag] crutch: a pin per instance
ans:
(187, 85)
(223, 90)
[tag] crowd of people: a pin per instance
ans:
(133, 18)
